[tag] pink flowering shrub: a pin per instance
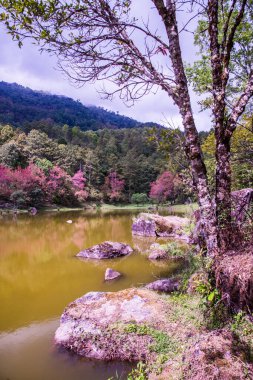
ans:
(113, 186)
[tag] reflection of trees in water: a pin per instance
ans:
(39, 273)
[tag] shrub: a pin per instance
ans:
(139, 198)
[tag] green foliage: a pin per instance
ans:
(241, 157)
(215, 312)
(139, 198)
(138, 373)
(240, 65)
(174, 249)
(163, 344)
(44, 164)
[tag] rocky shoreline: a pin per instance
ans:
(166, 332)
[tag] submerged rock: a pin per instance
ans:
(106, 250)
(161, 226)
(103, 325)
(111, 274)
(166, 285)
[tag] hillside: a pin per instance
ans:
(20, 106)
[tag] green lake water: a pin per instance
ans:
(40, 275)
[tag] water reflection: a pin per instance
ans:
(40, 275)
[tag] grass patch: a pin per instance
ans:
(183, 209)
(163, 344)
(174, 249)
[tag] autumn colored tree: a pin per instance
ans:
(163, 188)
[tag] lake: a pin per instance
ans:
(40, 275)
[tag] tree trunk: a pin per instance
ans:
(223, 191)
(192, 145)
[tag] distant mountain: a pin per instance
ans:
(20, 106)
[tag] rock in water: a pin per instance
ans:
(106, 250)
(156, 225)
(157, 253)
(111, 274)
(104, 325)
(166, 285)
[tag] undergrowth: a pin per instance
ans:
(162, 343)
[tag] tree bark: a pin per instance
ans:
(193, 148)
(223, 191)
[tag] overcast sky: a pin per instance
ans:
(28, 67)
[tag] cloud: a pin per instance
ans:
(30, 68)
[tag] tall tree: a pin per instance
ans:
(100, 39)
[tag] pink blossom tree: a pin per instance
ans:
(79, 182)
(113, 186)
(27, 183)
(163, 188)
(59, 186)
(5, 182)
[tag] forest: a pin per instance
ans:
(50, 163)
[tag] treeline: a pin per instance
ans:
(21, 107)
(123, 165)
(115, 164)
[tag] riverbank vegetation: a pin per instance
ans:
(106, 166)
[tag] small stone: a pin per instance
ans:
(111, 274)
(166, 285)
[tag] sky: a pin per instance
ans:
(38, 71)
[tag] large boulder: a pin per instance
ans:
(159, 226)
(134, 325)
(166, 285)
(106, 250)
(97, 325)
